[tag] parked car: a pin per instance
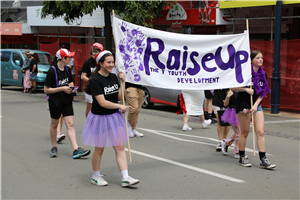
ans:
(11, 66)
(160, 95)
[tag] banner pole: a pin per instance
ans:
(123, 99)
(251, 99)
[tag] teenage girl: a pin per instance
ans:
(229, 116)
(58, 86)
(244, 111)
(105, 125)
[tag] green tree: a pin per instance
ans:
(137, 12)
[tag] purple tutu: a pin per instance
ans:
(105, 130)
(230, 117)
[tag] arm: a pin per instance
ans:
(49, 90)
(122, 88)
(243, 89)
(33, 68)
(109, 105)
(255, 105)
(229, 94)
(84, 77)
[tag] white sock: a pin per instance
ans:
(186, 125)
(204, 122)
(124, 174)
(96, 173)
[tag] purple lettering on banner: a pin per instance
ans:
(196, 69)
(185, 53)
(230, 63)
(154, 54)
(191, 80)
(178, 80)
(176, 54)
(239, 62)
(206, 58)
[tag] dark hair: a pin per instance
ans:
(254, 53)
(86, 87)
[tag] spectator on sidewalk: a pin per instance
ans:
(33, 72)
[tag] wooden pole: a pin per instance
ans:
(123, 99)
(129, 153)
(251, 99)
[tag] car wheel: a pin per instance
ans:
(146, 100)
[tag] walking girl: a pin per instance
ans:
(244, 111)
(26, 71)
(105, 124)
(58, 86)
(229, 116)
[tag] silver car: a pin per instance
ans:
(159, 95)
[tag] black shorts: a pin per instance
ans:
(58, 106)
(208, 94)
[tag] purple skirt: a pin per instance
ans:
(105, 130)
(229, 116)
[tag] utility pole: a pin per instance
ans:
(276, 80)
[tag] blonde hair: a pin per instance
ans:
(26, 53)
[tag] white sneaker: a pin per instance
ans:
(129, 181)
(186, 128)
(60, 138)
(224, 148)
(206, 123)
(137, 134)
(99, 181)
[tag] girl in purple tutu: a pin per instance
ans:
(105, 125)
(229, 116)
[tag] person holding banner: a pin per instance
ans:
(105, 125)
(218, 107)
(244, 111)
(87, 69)
(193, 100)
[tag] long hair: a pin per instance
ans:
(86, 87)
(254, 53)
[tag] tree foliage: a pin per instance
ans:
(137, 12)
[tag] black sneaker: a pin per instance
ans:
(32, 91)
(219, 147)
(265, 164)
(79, 152)
(53, 152)
(213, 121)
(244, 162)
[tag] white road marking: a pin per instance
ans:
(188, 166)
(281, 122)
(191, 141)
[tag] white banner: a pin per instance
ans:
(161, 59)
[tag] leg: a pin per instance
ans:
(60, 123)
(88, 108)
(244, 121)
(121, 157)
(96, 158)
(53, 129)
(222, 130)
(185, 118)
(69, 121)
(132, 98)
(259, 126)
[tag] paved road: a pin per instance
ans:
(170, 163)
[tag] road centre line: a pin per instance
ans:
(188, 166)
(191, 141)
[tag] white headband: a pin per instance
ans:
(99, 56)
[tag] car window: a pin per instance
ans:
(43, 59)
(5, 56)
(17, 56)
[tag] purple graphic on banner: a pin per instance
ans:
(132, 47)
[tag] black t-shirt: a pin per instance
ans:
(243, 98)
(128, 85)
(219, 96)
(64, 78)
(89, 66)
(33, 62)
(109, 87)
